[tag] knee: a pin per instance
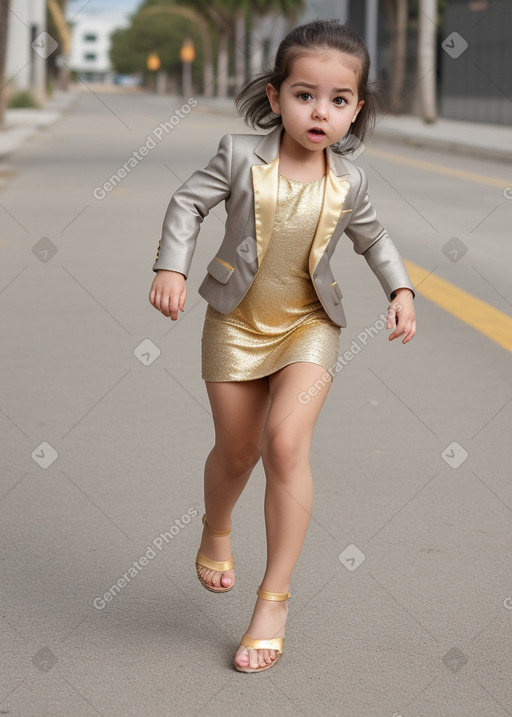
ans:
(282, 452)
(238, 460)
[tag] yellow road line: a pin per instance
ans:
(483, 317)
(439, 168)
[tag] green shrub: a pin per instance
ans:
(23, 99)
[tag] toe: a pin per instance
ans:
(270, 656)
(242, 657)
(214, 581)
(208, 577)
(254, 659)
(227, 579)
(249, 657)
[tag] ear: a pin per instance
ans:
(358, 109)
(273, 98)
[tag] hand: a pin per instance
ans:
(401, 316)
(168, 292)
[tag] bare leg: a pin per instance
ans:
(239, 412)
(289, 494)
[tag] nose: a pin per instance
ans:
(320, 110)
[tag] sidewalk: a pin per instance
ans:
(23, 123)
(477, 139)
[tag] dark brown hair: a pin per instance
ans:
(252, 101)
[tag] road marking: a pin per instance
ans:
(483, 317)
(439, 168)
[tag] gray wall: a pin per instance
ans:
(477, 85)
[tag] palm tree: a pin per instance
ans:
(4, 17)
(57, 10)
(261, 10)
(427, 58)
(397, 12)
(222, 14)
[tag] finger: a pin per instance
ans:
(399, 330)
(409, 335)
(406, 328)
(396, 332)
(183, 296)
(164, 304)
(391, 318)
(173, 307)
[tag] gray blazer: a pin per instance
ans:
(250, 207)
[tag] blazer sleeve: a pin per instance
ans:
(189, 205)
(372, 241)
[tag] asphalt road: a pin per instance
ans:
(402, 598)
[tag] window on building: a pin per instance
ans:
(90, 56)
(90, 37)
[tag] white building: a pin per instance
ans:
(28, 48)
(90, 42)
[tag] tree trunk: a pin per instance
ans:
(4, 16)
(256, 49)
(222, 65)
(239, 52)
(58, 12)
(427, 59)
(397, 12)
(208, 77)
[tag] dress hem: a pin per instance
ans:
(265, 375)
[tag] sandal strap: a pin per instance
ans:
(217, 533)
(218, 565)
(277, 597)
(277, 643)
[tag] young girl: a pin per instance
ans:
(274, 311)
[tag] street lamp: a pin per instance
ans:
(153, 63)
(187, 57)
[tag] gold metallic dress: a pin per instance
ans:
(280, 320)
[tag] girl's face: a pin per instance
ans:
(318, 101)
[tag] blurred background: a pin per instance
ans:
(210, 48)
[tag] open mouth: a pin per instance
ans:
(315, 134)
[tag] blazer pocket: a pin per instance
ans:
(337, 290)
(220, 269)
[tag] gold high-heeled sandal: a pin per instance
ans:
(202, 561)
(276, 643)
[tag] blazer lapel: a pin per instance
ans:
(265, 184)
(336, 189)
(265, 187)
